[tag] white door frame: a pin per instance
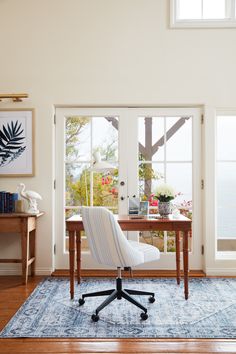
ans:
(128, 172)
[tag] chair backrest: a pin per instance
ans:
(107, 242)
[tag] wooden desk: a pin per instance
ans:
(74, 226)
(25, 225)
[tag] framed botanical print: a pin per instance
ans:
(16, 142)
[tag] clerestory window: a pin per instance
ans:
(203, 13)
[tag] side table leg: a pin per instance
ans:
(185, 256)
(24, 250)
(32, 250)
(78, 255)
(177, 246)
(72, 262)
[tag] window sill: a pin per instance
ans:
(225, 255)
(202, 24)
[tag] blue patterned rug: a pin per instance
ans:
(210, 311)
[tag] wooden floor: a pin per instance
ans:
(13, 294)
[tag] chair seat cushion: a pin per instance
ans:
(150, 252)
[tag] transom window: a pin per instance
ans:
(203, 13)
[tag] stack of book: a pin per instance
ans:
(8, 202)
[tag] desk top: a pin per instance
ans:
(20, 215)
(132, 223)
(140, 219)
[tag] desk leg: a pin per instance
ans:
(32, 250)
(177, 246)
(24, 250)
(72, 261)
(78, 255)
(185, 255)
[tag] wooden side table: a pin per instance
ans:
(25, 225)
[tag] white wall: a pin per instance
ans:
(104, 52)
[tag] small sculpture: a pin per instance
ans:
(31, 197)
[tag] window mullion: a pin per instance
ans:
(228, 9)
(232, 9)
(202, 10)
(165, 149)
(91, 156)
(176, 9)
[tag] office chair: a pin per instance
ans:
(109, 246)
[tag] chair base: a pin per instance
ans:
(118, 294)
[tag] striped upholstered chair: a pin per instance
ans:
(109, 246)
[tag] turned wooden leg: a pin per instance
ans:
(78, 255)
(185, 256)
(177, 246)
(72, 261)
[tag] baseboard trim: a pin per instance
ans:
(136, 273)
(38, 271)
(43, 271)
(221, 272)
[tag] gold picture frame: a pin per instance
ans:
(17, 142)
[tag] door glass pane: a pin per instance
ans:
(77, 184)
(150, 175)
(226, 128)
(226, 200)
(84, 185)
(226, 182)
(171, 241)
(179, 139)
(78, 138)
(105, 137)
(154, 238)
(179, 176)
(173, 166)
(105, 190)
(151, 138)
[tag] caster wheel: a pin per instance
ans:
(95, 318)
(81, 302)
(152, 299)
(144, 316)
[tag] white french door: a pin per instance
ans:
(79, 133)
(146, 146)
(168, 149)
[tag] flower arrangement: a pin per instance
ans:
(164, 193)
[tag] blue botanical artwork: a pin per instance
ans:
(12, 142)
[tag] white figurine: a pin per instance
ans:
(31, 197)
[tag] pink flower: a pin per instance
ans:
(152, 201)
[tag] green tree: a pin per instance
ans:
(74, 127)
(78, 189)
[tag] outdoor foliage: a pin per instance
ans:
(78, 187)
(105, 186)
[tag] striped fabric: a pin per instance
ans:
(109, 245)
